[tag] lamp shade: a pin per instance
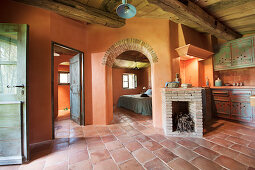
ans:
(126, 11)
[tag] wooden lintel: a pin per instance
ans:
(78, 11)
(190, 12)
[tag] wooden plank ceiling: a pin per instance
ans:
(226, 19)
(237, 14)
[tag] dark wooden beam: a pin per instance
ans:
(78, 11)
(188, 12)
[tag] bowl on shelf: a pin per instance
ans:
(186, 85)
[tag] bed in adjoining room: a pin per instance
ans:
(136, 103)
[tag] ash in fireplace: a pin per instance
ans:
(185, 123)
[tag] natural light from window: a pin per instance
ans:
(129, 81)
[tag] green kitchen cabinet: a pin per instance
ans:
(242, 53)
(222, 59)
(238, 53)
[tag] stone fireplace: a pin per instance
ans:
(184, 101)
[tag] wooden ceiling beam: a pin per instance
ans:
(78, 11)
(188, 12)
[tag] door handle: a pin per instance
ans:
(20, 86)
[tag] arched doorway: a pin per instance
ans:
(123, 46)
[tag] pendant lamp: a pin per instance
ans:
(125, 10)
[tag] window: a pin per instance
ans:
(129, 81)
(63, 78)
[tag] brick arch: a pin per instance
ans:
(129, 44)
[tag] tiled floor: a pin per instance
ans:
(132, 143)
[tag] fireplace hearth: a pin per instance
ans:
(183, 111)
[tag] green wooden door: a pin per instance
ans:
(13, 102)
(75, 89)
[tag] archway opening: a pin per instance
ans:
(110, 57)
(131, 84)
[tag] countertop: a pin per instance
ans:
(233, 87)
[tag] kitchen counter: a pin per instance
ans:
(233, 87)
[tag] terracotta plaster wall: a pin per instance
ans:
(155, 32)
(142, 81)
(63, 91)
(44, 27)
(39, 64)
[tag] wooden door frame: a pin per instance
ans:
(82, 109)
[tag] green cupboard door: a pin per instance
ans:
(222, 59)
(13, 100)
(242, 53)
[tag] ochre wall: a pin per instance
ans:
(93, 40)
(63, 91)
(44, 27)
(155, 32)
(142, 81)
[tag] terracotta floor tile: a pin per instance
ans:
(125, 138)
(175, 139)
(113, 145)
(98, 156)
(181, 164)
(121, 155)
(106, 164)
(56, 157)
(10, 167)
(237, 140)
(143, 155)
(81, 165)
(133, 146)
(108, 138)
(152, 145)
(225, 151)
(131, 164)
(156, 164)
(203, 142)
(165, 155)
(78, 157)
(222, 142)
(96, 146)
(157, 137)
(209, 154)
(203, 163)
(169, 144)
(142, 138)
(252, 145)
(188, 144)
(31, 166)
(246, 160)
(91, 140)
(185, 153)
(230, 163)
(243, 149)
(221, 135)
(58, 166)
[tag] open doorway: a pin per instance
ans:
(67, 85)
(131, 82)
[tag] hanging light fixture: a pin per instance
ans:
(136, 68)
(126, 10)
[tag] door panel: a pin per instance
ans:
(75, 89)
(13, 117)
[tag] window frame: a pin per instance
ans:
(128, 80)
(65, 72)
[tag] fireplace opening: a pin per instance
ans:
(181, 117)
